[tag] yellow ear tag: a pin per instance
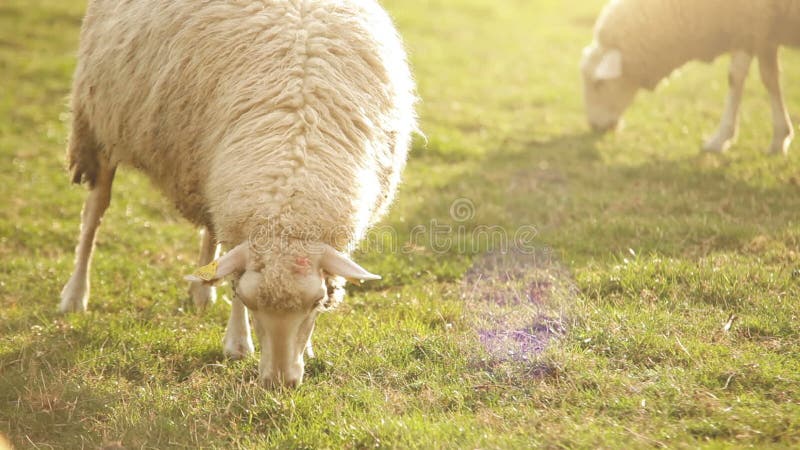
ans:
(207, 272)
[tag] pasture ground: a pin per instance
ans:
(658, 308)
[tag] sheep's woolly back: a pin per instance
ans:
(658, 36)
(287, 115)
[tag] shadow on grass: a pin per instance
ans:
(691, 206)
(585, 207)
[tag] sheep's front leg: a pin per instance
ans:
(729, 124)
(75, 295)
(781, 123)
(203, 294)
(237, 343)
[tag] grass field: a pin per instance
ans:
(659, 308)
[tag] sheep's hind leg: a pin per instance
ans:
(782, 132)
(238, 342)
(75, 295)
(729, 124)
(204, 294)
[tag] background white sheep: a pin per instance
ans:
(280, 127)
(639, 42)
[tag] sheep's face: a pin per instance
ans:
(285, 289)
(285, 293)
(284, 337)
(607, 92)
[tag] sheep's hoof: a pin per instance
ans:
(74, 297)
(237, 347)
(717, 144)
(780, 146)
(202, 295)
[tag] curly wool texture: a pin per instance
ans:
(293, 116)
(658, 36)
(282, 289)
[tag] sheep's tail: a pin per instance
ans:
(83, 152)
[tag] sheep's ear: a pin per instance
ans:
(336, 263)
(233, 261)
(610, 66)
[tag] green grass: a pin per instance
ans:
(611, 335)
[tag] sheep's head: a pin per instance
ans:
(607, 91)
(285, 288)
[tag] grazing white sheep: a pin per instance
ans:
(639, 42)
(280, 127)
